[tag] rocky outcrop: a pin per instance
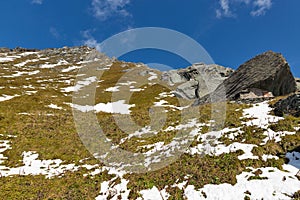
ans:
(75, 54)
(268, 73)
(197, 80)
(4, 50)
(22, 50)
(17, 50)
(289, 105)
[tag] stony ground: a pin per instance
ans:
(253, 155)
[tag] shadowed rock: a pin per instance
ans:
(289, 105)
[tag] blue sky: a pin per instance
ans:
(231, 31)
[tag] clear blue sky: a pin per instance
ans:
(232, 31)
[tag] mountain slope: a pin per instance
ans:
(43, 157)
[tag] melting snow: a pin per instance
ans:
(33, 166)
(136, 89)
(54, 106)
(154, 194)
(27, 53)
(113, 89)
(30, 92)
(114, 107)
(80, 84)
(25, 62)
(272, 135)
(260, 113)
(277, 184)
(48, 65)
(8, 58)
(153, 76)
(18, 73)
(219, 149)
(7, 97)
(266, 157)
(108, 188)
(127, 83)
(71, 68)
(163, 103)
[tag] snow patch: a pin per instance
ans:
(114, 107)
(152, 76)
(272, 135)
(154, 194)
(33, 166)
(113, 89)
(276, 186)
(7, 97)
(54, 106)
(162, 103)
(49, 65)
(260, 113)
(80, 84)
(71, 68)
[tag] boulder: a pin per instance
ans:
(289, 105)
(268, 72)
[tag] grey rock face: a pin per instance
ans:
(289, 105)
(268, 72)
(196, 80)
(172, 77)
(187, 90)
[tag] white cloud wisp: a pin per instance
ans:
(259, 7)
(40, 2)
(103, 9)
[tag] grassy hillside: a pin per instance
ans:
(36, 120)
